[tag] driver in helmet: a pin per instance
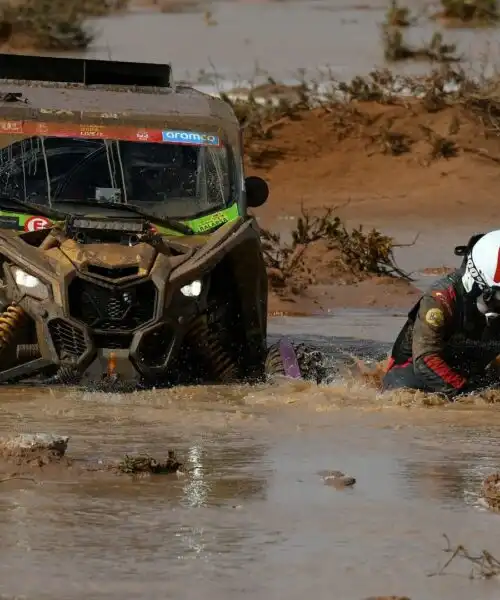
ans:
(452, 335)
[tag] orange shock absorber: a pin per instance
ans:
(10, 321)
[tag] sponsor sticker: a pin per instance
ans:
(37, 223)
(143, 135)
(11, 126)
(434, 317)
(92, 131)
(9, 222)
(190, 137)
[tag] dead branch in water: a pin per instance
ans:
(484, 565)
(18, 477)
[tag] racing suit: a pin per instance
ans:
(446, 343)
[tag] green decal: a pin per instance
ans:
(200, 225)
(206, 223)
(209, 222)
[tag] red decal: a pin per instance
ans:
(496, 276)
(82, 130)
(37, 223)
(143, 136)
(11, 127)
(446, 298)
(436, 364)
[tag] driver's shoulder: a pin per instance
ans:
(445, 292)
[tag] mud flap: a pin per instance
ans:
(289, 358)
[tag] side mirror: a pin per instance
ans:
(257, 191)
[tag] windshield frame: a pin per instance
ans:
(98, 133)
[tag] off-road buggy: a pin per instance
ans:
(126, 250)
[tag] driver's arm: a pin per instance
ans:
(433, 322)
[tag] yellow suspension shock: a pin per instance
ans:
(10, 321)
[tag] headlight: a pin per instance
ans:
(192, 289)
(30, 285)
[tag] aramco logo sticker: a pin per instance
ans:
(190, 137)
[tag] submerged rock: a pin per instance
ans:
(34, 448)
(336, 479)
(490, 491)
(32, 441)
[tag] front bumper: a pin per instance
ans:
(150, 350)
(99, 320)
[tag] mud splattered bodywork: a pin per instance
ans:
(125, 245)
(102, 299)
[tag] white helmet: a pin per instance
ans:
(483, 263)
(482, 272)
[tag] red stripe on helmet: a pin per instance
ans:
(447, 374)
(496, 276)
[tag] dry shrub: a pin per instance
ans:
(396, 49)
(397, 15)
(357, 253)
(177, 6)
(483, 564)
(348, 113)
(51, 24)
(490, 491)
(469, 12)
(258, 119)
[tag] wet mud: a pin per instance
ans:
(41, 455)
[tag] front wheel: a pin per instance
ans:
(297, 361)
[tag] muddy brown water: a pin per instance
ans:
(321, 36)
(251, 517)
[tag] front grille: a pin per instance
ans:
(69, 341)
(113, 341)
(113, 273)
(112, 309)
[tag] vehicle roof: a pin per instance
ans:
(91, 91)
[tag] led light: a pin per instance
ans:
(192, 289)
(30, 285)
